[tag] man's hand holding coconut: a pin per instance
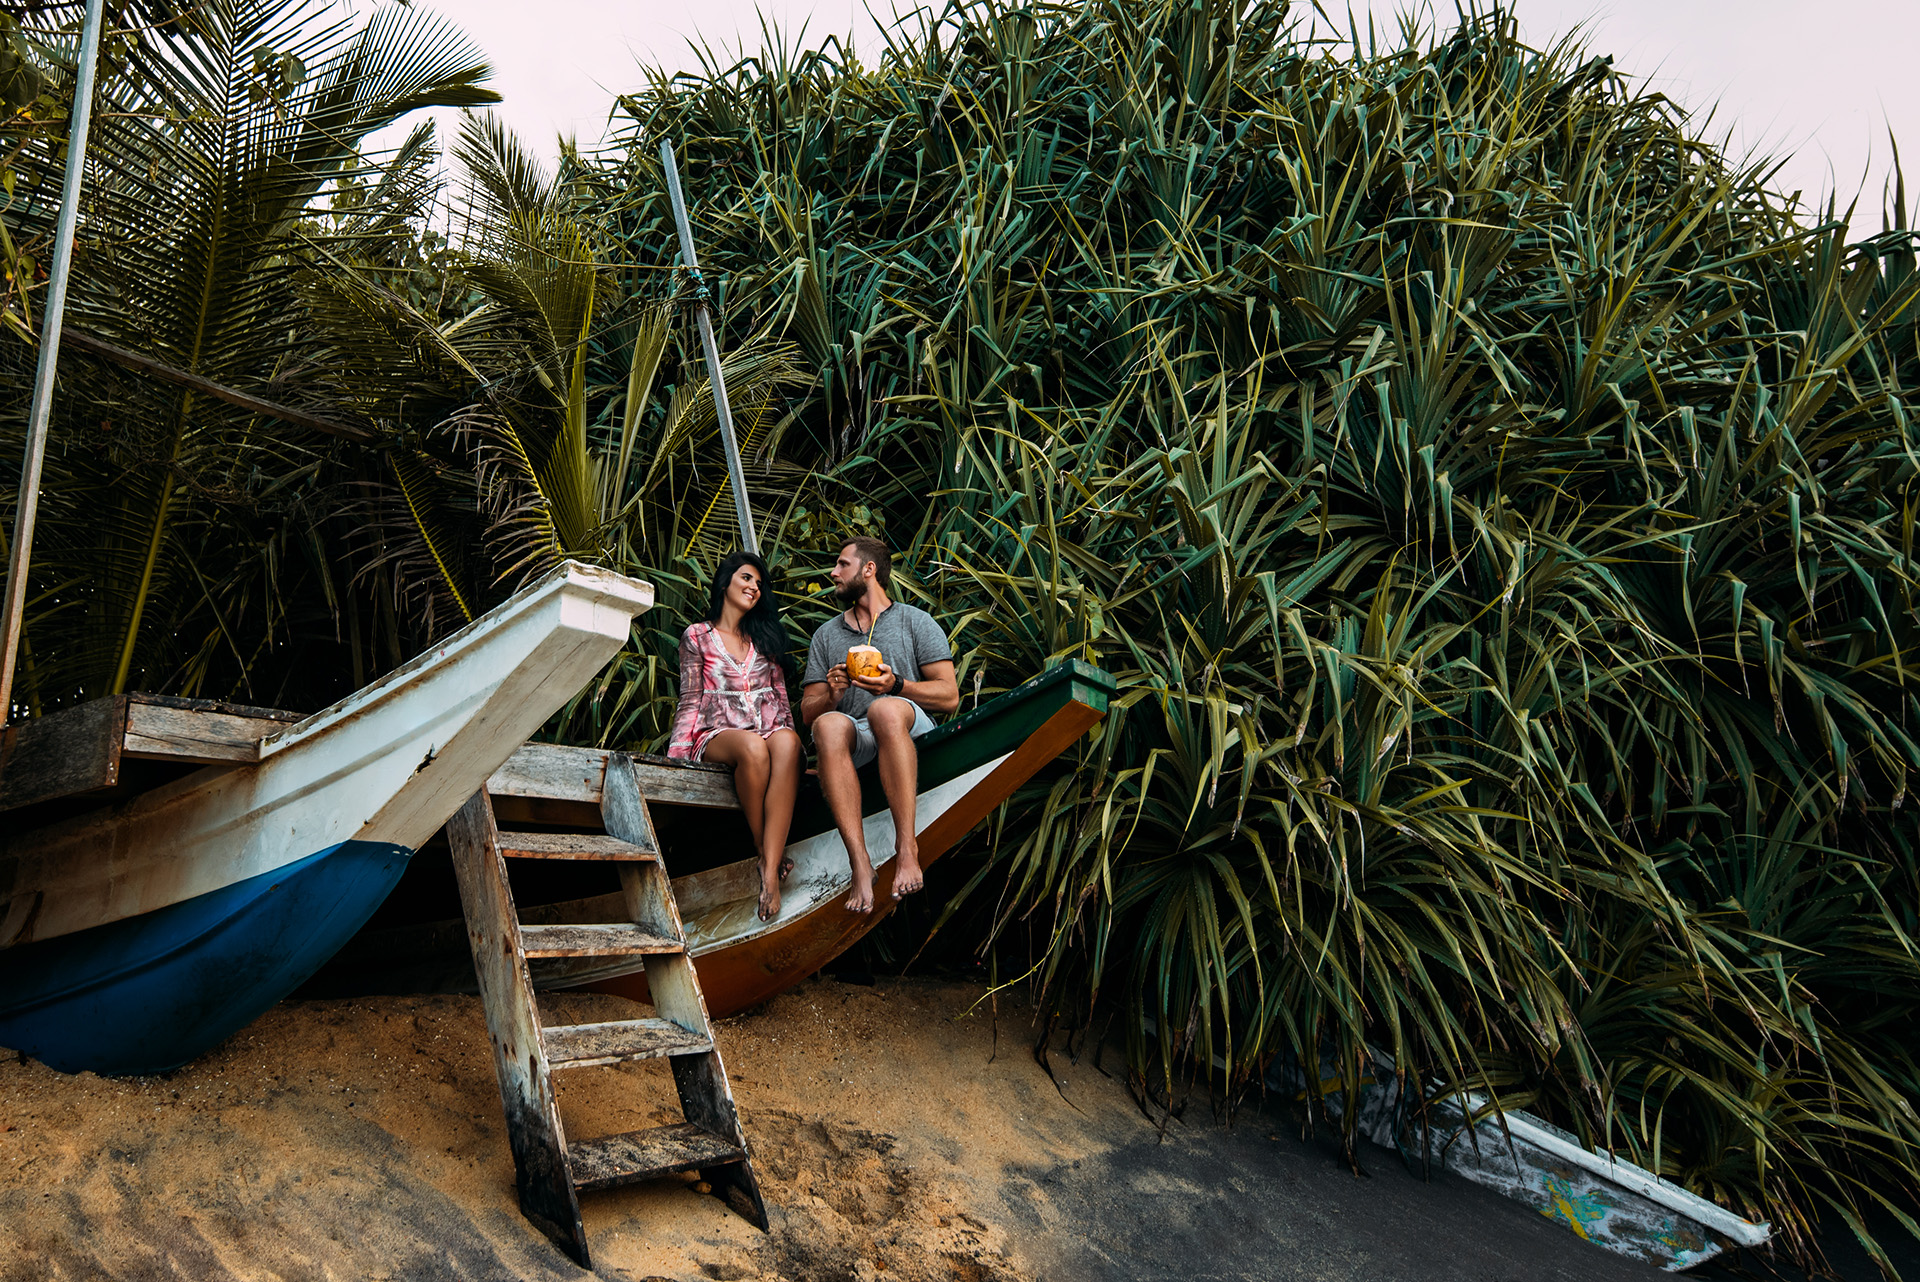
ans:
(874, 674)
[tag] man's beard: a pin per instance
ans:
(851, 594)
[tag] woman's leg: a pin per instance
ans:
(783, 784)
(746, 752)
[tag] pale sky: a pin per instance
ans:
(1823, 81)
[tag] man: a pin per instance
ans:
(856, 719)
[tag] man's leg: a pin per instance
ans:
(833, 735)
(892, 722)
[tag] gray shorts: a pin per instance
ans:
(864, 747)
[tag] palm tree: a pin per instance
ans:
(506, 456)
(183, 542)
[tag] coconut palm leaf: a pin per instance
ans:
(218, 144)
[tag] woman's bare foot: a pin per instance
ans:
(861, 900)
(769, 892)
(786, 866)
(907, 877)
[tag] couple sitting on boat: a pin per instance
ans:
(734, 707)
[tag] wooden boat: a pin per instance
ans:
(137, 935)
(1603, 1199)
(967, 768)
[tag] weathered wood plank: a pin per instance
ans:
(558, 773)
(640, 1155)
(227, 706)
(549, 771)
(157, 731)
(593, 1045)
(63, 753)
(624, 814)
(599, 939)
(572, 845)
(685, 783)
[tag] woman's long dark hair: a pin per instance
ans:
(762, 624)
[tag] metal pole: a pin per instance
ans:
(703, 314)
(51, 315)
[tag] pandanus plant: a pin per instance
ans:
(1497, 503)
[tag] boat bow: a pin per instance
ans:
(387, 766)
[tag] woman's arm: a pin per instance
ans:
(693, 683)
(782, 701)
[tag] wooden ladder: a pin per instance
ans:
(551, 1172)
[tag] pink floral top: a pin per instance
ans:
(719, 692)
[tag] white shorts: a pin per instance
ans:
(864, 747)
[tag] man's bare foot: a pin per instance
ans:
(907, 877)
(861, 900)
(769, 895)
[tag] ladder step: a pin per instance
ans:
(611, 939)
(642, 1155)
(591, 1045)
(570, 845)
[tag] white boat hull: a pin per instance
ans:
(388, 765)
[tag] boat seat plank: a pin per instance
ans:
(613, 939)
(664, 781)
(613, 1160)
(157, 731)
(71, 751)
(78, 750)
(553, 772)
(570, 845)
(593, 1045)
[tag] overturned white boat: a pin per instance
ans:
(1604, 1199)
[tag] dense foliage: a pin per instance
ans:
(1497, 505)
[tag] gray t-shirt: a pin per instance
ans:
(906, 637)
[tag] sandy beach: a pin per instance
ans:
(902, 1131)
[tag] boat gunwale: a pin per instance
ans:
(838, 886)
(1516, 1126)
(1525, 1128)
(999, 704)
(588, 579)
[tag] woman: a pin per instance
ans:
(734, 709)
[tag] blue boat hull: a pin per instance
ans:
(151, 992)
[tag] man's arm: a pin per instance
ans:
(817, 697)
(937, 690)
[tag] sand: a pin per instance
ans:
(901, 1132)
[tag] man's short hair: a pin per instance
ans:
(867, 548)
